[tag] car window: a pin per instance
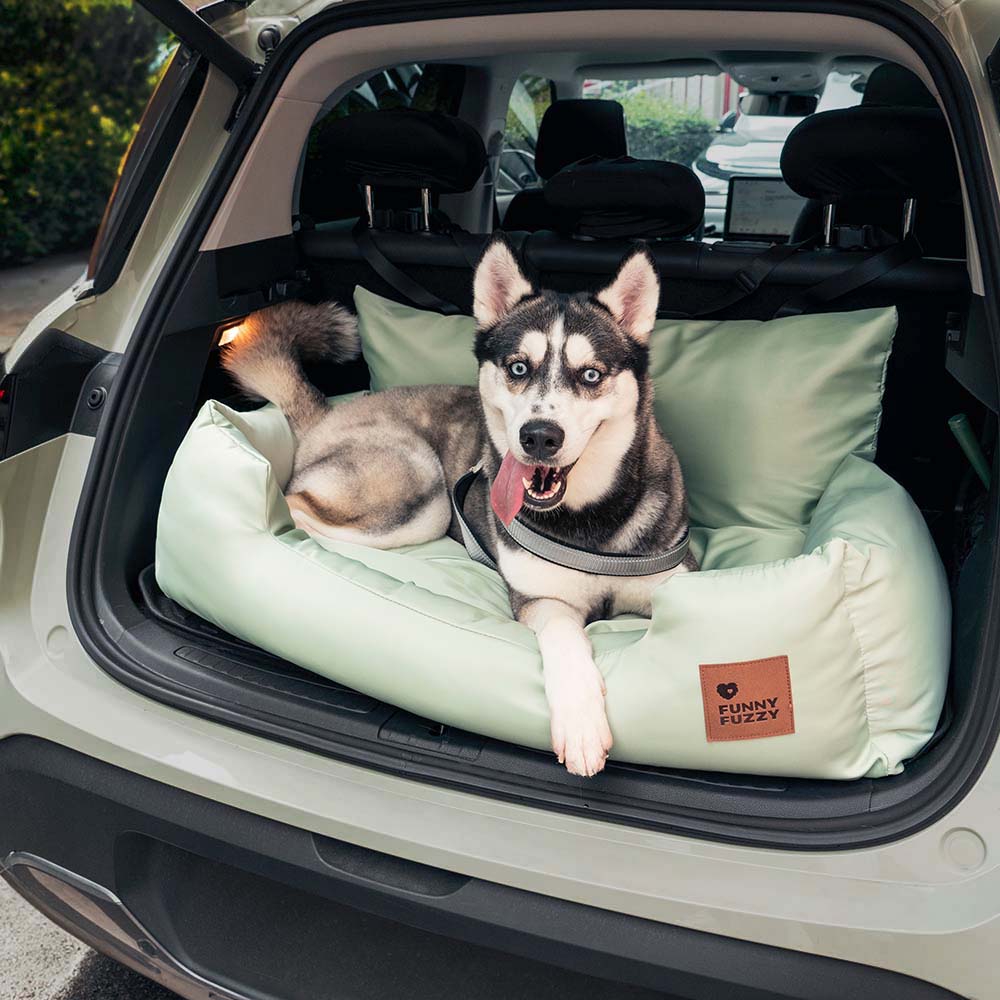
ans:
(422, 86)
(667, 119)
(145, 162)
(718, 128)
(529, 99)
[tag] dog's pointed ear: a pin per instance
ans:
(499, 283)
(634, 296)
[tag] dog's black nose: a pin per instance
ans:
(541, 439)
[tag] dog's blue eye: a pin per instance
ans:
(591, 375)
(518, 369)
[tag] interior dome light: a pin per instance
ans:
(230, 332)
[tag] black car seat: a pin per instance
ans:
(867, 162)
(400, 161)
(625, 198)
(569, 131)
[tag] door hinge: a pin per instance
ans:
(268, 39)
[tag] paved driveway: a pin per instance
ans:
(39, 962)
(24, 290)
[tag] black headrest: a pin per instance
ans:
(405, 149)
(892, 86)
(573, 129)
(621, 197)
(871, 152)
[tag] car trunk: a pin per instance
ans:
(174, 655)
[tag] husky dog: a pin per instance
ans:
(561, 425)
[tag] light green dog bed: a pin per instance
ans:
(815, 649)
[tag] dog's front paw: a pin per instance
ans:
(581, 736)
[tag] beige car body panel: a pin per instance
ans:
(927, 906)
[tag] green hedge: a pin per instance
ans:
(74, 78)
(660, 130)
(657, 128)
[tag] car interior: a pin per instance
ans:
(880, 221)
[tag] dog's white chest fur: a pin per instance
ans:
(535, 577)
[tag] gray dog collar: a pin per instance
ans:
(560, 553)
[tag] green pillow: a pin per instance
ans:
(846, 632)
(761, 412)
(407, 346)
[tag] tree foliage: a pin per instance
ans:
(658, 129)
(74, 78)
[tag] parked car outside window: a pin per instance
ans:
(749, 138)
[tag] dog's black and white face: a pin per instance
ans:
(561, 378)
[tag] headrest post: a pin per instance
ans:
(369, 206)
(400, 149)
(871, 159)
(829, 215)
(425, 209)
(909, 216)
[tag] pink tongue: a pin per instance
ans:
(507, 493)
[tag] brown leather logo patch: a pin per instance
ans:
(748, 700)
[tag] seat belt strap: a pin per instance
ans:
(444, 225)
(865, 273)
(750, 278)
(397, 279)
(756, 273)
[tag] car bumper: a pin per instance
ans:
(213, 901)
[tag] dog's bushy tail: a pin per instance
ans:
(266, 356)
